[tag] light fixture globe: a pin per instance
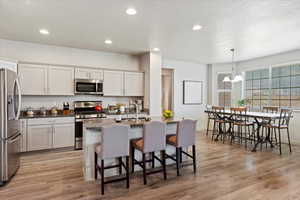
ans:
(237, 78)
(226, 79)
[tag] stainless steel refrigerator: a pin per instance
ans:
(10, 135)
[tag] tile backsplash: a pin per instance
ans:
(36, 102)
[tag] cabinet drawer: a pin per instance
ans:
(54, 120)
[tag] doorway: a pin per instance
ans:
(167, 76)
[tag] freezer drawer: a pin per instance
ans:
(10, 161)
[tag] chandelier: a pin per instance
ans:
(236, 77)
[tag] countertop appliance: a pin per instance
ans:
(88, 86)
(85, 110)
(10, 134)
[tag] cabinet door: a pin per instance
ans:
(39, 137)
(61, 81)
(81, 73)
(96, 74)
(134, 84)
(63, 135)
(33, 79)
(113, 84)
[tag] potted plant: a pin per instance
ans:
(241, 103)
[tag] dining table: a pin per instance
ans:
(259, 118)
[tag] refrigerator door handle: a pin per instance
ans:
(20, 101)
(14, 139)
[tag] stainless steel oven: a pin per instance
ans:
(85, 110)
(88, 86)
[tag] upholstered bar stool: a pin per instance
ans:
(185, 137)
(118, 136)
(153, 140)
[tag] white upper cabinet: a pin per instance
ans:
(113, 84)
(60, 81)
(33, 79)
(82, 73)
(46, 80)
(133, 84)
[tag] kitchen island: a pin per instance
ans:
(92, 137)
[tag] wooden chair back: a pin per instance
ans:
(285, 116)
(270, 109)
(239, 114)
(217, 110)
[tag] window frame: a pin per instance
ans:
(270, 88)
(223, 90)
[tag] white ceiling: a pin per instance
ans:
(254, 28)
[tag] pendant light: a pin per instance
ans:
(236, 77)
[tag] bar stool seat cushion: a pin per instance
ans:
(172, 139)
(138, 143)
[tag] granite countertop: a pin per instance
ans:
(48, 115)
(98, 123)
(125, 113)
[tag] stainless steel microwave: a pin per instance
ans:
(88, 86)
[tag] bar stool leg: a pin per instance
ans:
(96, 166)
(153, 159)
(102, 176)
(144, 169)
(164, 163)
(132, 158)
(194, 158)
(127, 171)
(177, 161)
(120, 165)
(180, 154)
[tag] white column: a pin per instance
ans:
(151, 65)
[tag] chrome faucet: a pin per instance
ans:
(136, 111)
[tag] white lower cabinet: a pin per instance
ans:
(39, 137)
(63, 135)
(49, 133)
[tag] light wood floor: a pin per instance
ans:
(224, 172)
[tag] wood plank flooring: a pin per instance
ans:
(224, 172)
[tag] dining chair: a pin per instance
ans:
(219, 125)
(273, 135)
(184, 138)
(210, 117)
(153, 140)
(281, 124)
(118, 136)
(270, 109)
(241, 120)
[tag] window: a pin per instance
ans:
(257, 88)
(279, 86)
(224, 91)
(286, 86)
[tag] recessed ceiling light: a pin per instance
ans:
(107, 41)
(156, 49)
(44, 32)
(197, 27)
(131, 11)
